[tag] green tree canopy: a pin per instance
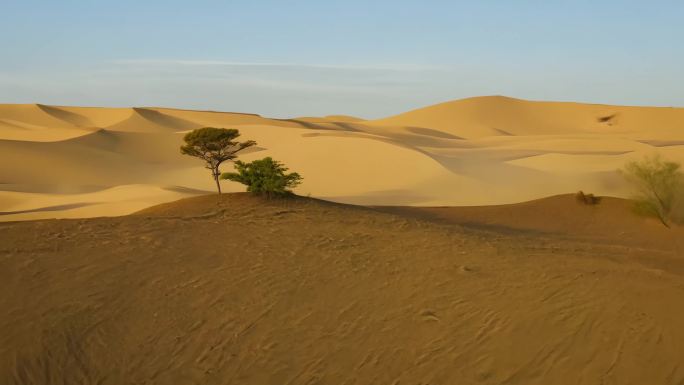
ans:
(214, 146)
(264, 176)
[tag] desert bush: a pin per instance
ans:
(587, 199)
(214, 146)
(264, 177)
(659, 186)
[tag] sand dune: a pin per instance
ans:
(611, 221)
(100, 117)
(248, 291)
(330, 119)
(117, 200)
(35, 122)
(499, 115)
(478, 151)
(103, 158)
(42, 116)
(147, 120)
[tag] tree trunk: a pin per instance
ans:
(216, 174)
(218, 185)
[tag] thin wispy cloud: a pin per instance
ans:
(287, 89)
(223, 63)
(278, 89)
(310, 78)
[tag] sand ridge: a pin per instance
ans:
(610, 221)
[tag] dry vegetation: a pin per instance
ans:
(660, 187)
(587, 199)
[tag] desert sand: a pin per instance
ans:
(69, 162)
(242, 290)
(439, 246)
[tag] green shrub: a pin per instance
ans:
(264, 177)
(659, 186)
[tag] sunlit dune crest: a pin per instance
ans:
(477, 151)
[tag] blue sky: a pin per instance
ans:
(366, 58)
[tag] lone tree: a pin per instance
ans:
(265, 176)
(659, 185)
(214, 146)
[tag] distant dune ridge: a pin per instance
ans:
(86, 161)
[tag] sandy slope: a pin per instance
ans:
(245, 291)
(611, 221)
(40, 123)
(499, 115)
(106, 202)
(478, 151)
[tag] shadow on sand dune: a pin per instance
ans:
(50, 208)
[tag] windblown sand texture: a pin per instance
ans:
(242, 290)
(61, 162)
